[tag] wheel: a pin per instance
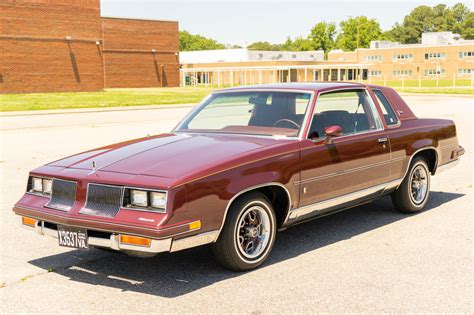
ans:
(248, 235)
(412, 194)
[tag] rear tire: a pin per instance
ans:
(248, 235)
(412, 194)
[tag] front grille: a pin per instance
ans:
(63, 195)
(103, 200)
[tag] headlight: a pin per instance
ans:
(37, 184)
(138, 198)
(47, 186)
(158, 200)
(145, 200)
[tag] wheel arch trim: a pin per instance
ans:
(246, 190)
(426, 148)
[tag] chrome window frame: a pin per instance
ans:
(372, 106)
(301, 131)
(399, 123)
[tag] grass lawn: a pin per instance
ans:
(163, 96)
(108, 98)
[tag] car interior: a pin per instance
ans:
(279, 110)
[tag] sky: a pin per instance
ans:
(244, 22)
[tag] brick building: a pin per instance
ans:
(60, 45)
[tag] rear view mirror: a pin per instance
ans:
(332, 131)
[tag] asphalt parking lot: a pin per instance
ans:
(367, 259)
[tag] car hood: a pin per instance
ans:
(168, 155)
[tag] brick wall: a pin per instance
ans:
(35, 55)
(128, 57)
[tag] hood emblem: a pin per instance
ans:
(94, 168)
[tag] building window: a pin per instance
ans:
(462, 72)
(432, 72)
(260, 56)
(401, 73)
(373, 58)
(280, 56)
(402, 56)
(375, 73)
(436, 55)
(294, 56)
(463, 54)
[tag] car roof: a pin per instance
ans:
(310, 86)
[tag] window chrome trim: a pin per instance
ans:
(198, 107)
(399, 122)
(372, 106)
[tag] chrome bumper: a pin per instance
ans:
(156, 246)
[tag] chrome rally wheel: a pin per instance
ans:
(248, 235)
(413, 193)
(419, 184)
(253, 232)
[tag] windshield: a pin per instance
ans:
(250, 112)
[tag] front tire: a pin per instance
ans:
(248, 235)
(412, 194)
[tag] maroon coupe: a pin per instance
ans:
(243, 164)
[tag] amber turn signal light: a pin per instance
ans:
(135, 240)
(195, 225)
(28, 221)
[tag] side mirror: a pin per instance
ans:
(332, 131)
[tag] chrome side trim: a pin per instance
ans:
(333, 202)
(247, 190)
(194, 241)
(446, 166)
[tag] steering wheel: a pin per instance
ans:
(286, 121)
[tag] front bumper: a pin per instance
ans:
(111, 240)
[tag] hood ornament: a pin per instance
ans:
(94, 168)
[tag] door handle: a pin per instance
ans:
(382, 140)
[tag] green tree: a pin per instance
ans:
(264, 46)
(189, 42)
(439, 18)
(322, 36)
(358, 32)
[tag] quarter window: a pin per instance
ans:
(387, 110)
(350, 110)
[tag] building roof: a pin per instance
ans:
(310, 86)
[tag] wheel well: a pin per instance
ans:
(279, 199)
(431, 157)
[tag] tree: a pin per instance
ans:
(439, 18)
(322, 36)
(264, 46)
(188, 42)
(358, 32)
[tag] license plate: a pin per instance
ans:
(72, 237)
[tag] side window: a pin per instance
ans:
(387, 110)
(350, 110)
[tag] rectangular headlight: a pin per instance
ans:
(138, 198)
(37, 184)
(47, 186)
(158, 200)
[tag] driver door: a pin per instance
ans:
(356, 161)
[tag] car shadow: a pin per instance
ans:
(173, 275)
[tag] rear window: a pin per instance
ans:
(387, 110)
